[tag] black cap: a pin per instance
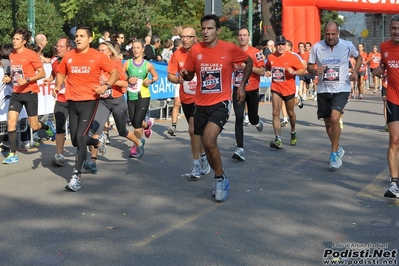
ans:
(280, 40)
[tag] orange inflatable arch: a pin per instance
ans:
(301, 18)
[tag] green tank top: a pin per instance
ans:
(139, 71)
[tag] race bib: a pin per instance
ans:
(211, 82)
(135, 88)
(16, 74)
(189, 87)
(278, 74)
(238, 75)
(331, 74)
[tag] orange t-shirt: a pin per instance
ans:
(305, 56)
(24, 65)
(282, 81)
(187, 89)
(214, 68)
(374, 59)
(117, 91)
(254, 79)
(390, 59)
(363, 67)
(83, 72)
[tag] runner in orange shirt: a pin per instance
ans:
(390, 63)
(81, 70)
(362, 70)
(282, 66)
(251, 92)
(212, 61)
(187, 97)
(26, 69)
(374, 59)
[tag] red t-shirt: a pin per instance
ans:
(374, 59)
(305, 56)
(83, 72)
(282, 81)
(24, 65)
(214, 68)
(254, 79)
(390, 55)
(187, 89)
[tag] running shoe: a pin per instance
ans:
(360, 96)
(239, 154)
(277, 143)
(51, 130)
(221, 188)
(196, 171)
(284, 123)
(133, 152)
(335, 161)
(59, 160)
(102, 148)
(11, 158)
(294, 139)
(259, 126)
(139, 151)
(74, 183)
(108, 141)
(172, 131)
(91, 166)
(386, 127)
(393, 191)
(246, 120)
(341, 124)
(341, 152)
(300, 103)
(148, 131)
(205, 167)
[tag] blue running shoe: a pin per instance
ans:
(221, 188)
(11, 158)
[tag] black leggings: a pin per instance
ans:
(81, 115)
(252, 100)
(137, 111)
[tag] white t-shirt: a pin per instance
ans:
(336, 76)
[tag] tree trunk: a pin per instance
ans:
(268, 32)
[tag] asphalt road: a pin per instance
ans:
(284, 208)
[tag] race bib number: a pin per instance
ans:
(278, 74)
(331, 74)
(259, 56)
(211, 82)
(16, 74)
(189, 87)
(237, 77)
(135, 88)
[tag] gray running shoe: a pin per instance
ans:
(259, 126)
(300, 103)
(239, 154)
(196, 171)
(91, 166)
(102, 148)
(284, 123)
(172, 131)
(74, 183)
(393, 191)
(139, 151)
(59, 160)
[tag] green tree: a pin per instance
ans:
(326, 16)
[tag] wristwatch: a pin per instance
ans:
(109, 87)
(27, 80)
